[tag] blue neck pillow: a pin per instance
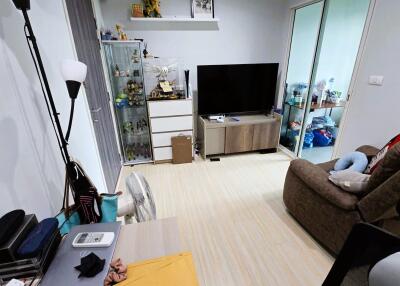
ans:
(354, 161)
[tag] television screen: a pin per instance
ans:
(230, 89)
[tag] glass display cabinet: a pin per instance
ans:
(125, 69)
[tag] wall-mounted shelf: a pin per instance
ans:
(176, 20)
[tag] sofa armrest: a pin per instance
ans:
(328, 166)
(381, 200)
(316, 178)
(368, 150)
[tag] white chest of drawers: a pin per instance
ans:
(169, 118)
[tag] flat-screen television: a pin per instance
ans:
(236, 89)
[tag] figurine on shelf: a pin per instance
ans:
(135, 59)
(152, 8)
(132, 87)
(161, 72)
(141, 125)
(130, 154)
(164, 90)
(116, 71)
(121, 100)
(128, 127)
(121, 34)
(148, 151)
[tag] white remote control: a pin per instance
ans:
(93, 239)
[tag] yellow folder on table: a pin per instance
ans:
(175, 270)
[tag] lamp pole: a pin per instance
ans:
(32, 39)
(83, 191)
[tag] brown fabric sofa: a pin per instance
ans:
(328, 213)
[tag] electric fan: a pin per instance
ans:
(137, 201)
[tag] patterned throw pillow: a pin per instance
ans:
(377, 159)
(389, 166)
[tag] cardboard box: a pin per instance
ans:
(182, 149)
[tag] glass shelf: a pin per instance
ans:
(129, 100)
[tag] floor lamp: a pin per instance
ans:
(74, 73)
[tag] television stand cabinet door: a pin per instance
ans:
(239, 139)
(266, 136)
(215, 141)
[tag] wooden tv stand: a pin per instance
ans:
(250, 133)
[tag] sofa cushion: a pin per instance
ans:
(368, 150)
(350, 181)
(388, 167)
(317, 179)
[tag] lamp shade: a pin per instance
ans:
(73, 70)
(22, 4)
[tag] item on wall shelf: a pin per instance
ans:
(202, 8)
(152, 9)
(106, 35)
(137, 11)
(121, 34)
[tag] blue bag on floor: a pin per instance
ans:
(322, 138)
(308, 140)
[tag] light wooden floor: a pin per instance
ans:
(231, 216)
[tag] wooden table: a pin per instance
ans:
(148, 240)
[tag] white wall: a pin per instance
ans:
(249, 32)
(373, 113)
(31, 169)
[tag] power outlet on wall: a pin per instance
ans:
(376, 80)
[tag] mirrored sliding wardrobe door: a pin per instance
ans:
(339, 40)
(306, 26)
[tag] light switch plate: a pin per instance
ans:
(376, 80)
